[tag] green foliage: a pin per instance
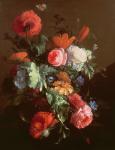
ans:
(72, 72)
(37, 74)
(59, 105)
(46, 70)
(33, 74)
(89, 70)
(64, 132)
(41, 47)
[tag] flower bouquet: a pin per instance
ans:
(49, 76)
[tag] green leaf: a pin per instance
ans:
(34, 75)
(89, 70)
(34, 78)
(50, 98)
(59, 105)
(72, 72)
(37, 75)
(41, 47)
(45, 70)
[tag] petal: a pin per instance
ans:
(64, 59)
(18, 56)
(82, 35)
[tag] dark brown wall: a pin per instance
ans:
(98, 14)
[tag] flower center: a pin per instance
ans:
(28, 26)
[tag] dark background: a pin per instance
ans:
(100, 16)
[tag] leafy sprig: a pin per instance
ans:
(59, 105)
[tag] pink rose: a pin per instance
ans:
(82, 118)
(57, 57)
(76, 101)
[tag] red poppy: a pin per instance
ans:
(27, 24)
(40, 122)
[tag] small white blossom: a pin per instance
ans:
(89, 54)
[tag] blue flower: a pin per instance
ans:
(93, 105)
(20, 79)
(51, 79)
(80, 80)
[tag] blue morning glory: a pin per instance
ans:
(20, 79)
(93, 105)
(80, 80)
(51, 79)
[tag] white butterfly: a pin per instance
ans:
(41, 7)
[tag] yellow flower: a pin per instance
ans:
(63, 88)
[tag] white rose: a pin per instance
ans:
(76, 55)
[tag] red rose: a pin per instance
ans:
(82, 118)
(28, 23)
(40, 122)
(41, 102)
(76, 101)
(13, 70)
(33, 91)
(57, 57)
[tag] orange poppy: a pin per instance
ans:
(83, 34)
(20, 56)
(63, 40)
